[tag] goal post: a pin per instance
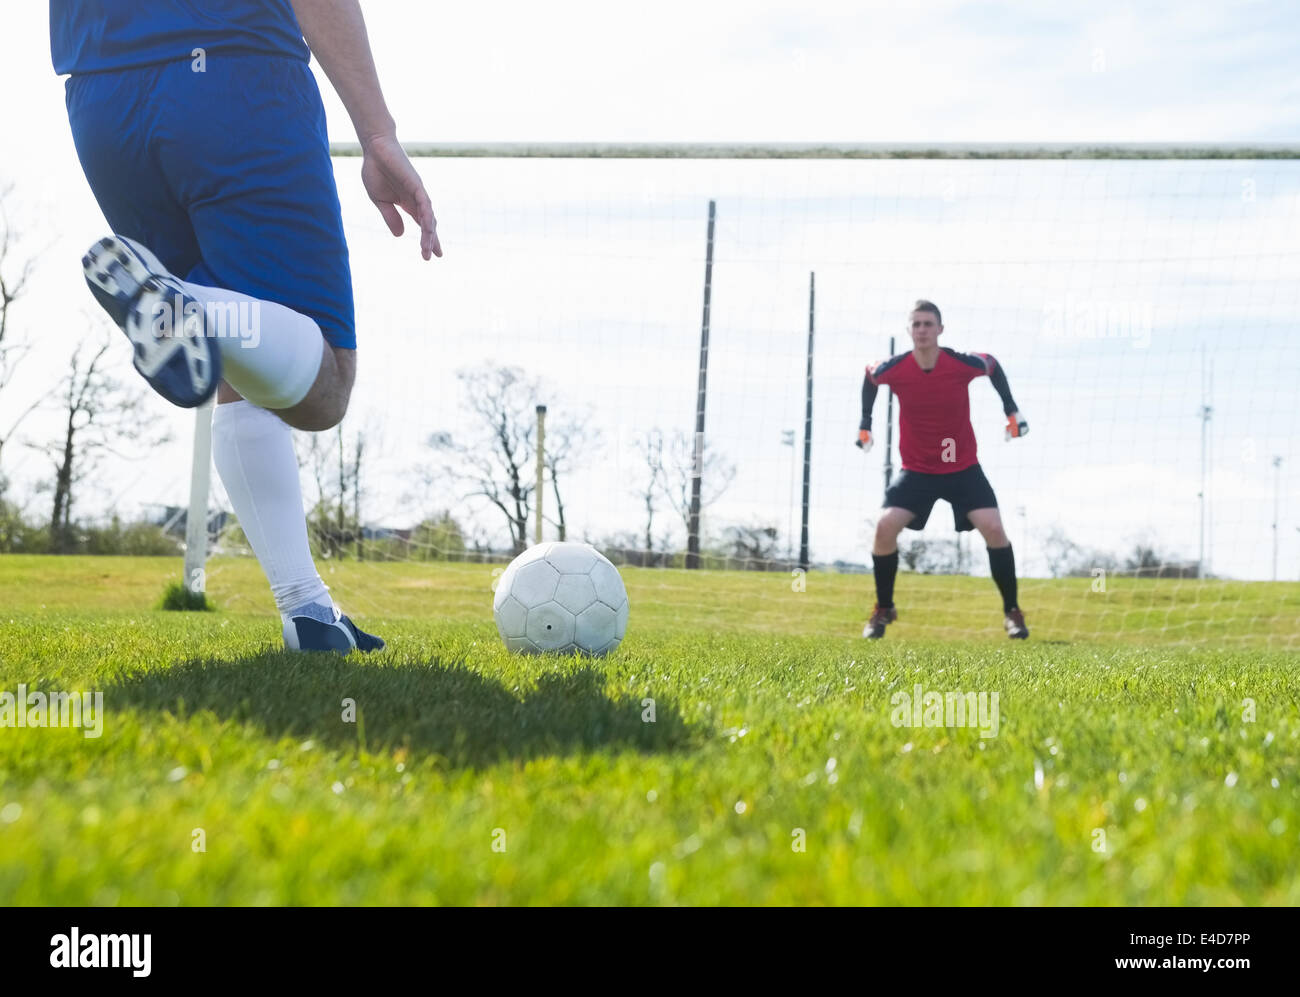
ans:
(196, 520)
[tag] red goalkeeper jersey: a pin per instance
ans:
(935, 434)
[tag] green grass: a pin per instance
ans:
(180, 598)
(1126, 713)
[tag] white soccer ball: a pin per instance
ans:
(561, 597)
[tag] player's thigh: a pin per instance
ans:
(988, 521)
(112, 123)
(244, 145)
(893, 521)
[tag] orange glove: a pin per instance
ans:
(864, 440)
(1016, 426)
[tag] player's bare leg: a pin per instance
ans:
(891, 524)
(1003, 565)
(884, 557)
(253, 451)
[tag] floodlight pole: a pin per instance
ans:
(541, 468)
(807, 423)
(697, 465)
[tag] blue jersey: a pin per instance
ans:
(91, 36)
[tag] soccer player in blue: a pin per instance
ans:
(200, 129)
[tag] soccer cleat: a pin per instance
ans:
(316, 627)
(1015, 624)
(165, 324)
(875, 628)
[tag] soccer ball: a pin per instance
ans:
(561, 597)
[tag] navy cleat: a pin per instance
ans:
(166, 325)
(316, 627)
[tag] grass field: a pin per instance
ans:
(1127, 766)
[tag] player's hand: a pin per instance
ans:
(392, 183)
(864, 441)
(1016, 426)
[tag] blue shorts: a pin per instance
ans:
(224, 174)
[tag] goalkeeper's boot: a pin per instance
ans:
(317, 627)
(875, 628)
(1015, 625)
(166, 326)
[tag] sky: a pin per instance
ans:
(589, 273)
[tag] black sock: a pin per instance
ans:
(1003, 565)
(886, 568)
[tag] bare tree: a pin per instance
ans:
(343, 492)
(14, 275)
(931, 557)
(313, 453)
(569, 445)
(494, 462)
(358, 448)
(102, 416)
(755, 546)
(1148, 561)
(651, 447)
(679, 471)
(1060, 552)
(335, 466)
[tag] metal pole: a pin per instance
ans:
(1209, 464)
(1205, 428)
(196, 520)
(807, 424)
(1277, 492)
(889, 428)
(787, 439)
(541, 468)
(697, 467)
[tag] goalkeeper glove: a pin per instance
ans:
(1016, 425)
(864, 440)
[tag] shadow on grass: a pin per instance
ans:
(429, 708)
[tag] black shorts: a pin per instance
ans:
(963, 490)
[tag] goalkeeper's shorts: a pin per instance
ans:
(964, 490)
(225, 175)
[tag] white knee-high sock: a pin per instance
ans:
(270, 354)
(253, 452)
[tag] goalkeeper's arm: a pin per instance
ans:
(1016, 423)
(869, 390)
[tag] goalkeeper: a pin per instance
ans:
(939, 459)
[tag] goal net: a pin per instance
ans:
(1142, 305)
